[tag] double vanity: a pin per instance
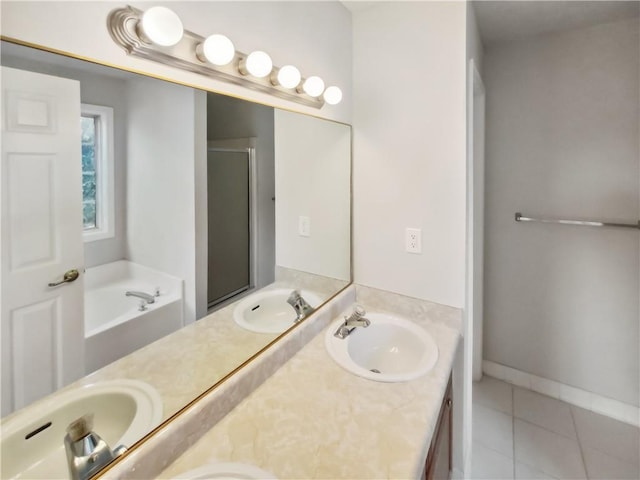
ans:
(295, 412)
(371, 401)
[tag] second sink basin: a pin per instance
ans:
(390, 349)
(268, 311)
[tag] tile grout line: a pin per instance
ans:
(575, 427)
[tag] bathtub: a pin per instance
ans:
(113, 325)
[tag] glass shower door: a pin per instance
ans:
(229, 241)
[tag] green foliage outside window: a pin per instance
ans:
(88, 125)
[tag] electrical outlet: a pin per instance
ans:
(413, 240)
(304, 226)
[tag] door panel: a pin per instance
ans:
(30, 205)
(35, 368)
(41, 236)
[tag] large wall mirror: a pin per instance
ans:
(200, 227)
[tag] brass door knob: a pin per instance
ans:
(68, 277)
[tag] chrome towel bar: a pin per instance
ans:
(585, 223)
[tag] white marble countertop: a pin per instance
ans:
(312, 419)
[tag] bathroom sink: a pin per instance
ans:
(32, 441)
(268, 311)
(390, 349)
(226, 471)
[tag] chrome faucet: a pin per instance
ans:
(144, 296)
(356, 319)
(87, 453)
(300, 305)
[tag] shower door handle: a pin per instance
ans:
(68, 277)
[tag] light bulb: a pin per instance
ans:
(258, 64)
(333, 95)
(161, 26)
(289, 76)
(313, 86)
(218, 49)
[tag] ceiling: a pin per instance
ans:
(504, 20)
(500, 21)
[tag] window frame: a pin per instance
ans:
(104, 171)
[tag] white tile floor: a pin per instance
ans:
(520, 434)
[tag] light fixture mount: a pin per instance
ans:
(123, 27)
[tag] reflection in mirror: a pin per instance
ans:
(201, 226)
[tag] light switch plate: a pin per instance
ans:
(304, 226)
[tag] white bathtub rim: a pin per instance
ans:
(109, 273)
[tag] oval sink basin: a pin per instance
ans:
(390, 349)
(32, 442)
(228, 471)
(269, 312)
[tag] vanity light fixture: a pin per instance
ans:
(157, 34)
(216, 49)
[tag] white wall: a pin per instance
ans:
(102, 90)
(161, 187)
(409, 148)
(562, 141)
(313, 178)
(315, 36)
(230, 118)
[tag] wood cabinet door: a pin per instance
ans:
(439, 462)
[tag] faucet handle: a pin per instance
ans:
(359, 311)
(80, 427)
(294, 296)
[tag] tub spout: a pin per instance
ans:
(144, 296)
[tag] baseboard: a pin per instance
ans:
(581, 398)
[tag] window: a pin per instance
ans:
(97, 172)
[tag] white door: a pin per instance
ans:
(42, 330)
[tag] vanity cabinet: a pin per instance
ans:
(438, 466)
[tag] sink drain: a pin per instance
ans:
(375, 370)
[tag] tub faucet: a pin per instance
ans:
(145, 296)
(87, 453)
(356, 319)
(300, 305)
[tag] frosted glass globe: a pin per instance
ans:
(259, 64)
(162, 26)
(313, 86)
(289, 76)
(218, 50)
(333, 95)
